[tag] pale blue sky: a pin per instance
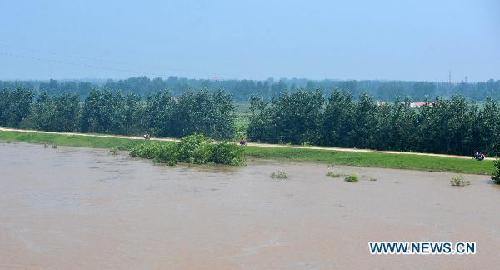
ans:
(255, 39)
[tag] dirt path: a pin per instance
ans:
(264, 145)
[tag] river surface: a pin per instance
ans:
(77, 208)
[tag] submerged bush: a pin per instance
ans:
(459, 181)
(195, 149)
(167, 153)
(496, 174)
(147, 150)
(279, 174)
(351, 178)
(228, 153)
(114, 151)
(333, 174)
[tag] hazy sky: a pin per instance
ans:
(255, 39)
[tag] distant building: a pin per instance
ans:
(420, 104)
(412, 104)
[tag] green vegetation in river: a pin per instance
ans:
(196, 149)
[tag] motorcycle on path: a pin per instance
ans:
(479, 156)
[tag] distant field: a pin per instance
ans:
(241, 123)
(242, 107)
(373, 159)
(242, 118)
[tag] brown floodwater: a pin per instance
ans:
(76, 208)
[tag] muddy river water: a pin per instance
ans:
(76, 208)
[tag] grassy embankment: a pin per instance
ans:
(373, 159)
(69, 140)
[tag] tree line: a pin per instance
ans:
(451, 126)
(103, 111)
(242, 90)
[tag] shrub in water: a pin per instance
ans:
(458, 181)
(146, 150)
(114, 151)
(167, 153)
(201, 154)
(351, 178)
(333, 174)
(227, 153)
(279, 175)
(195, 149)
(192, 149)
(496, 174)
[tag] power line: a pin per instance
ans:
(108, 67)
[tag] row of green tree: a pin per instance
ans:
(452, 126)
(160, 114)
(242, 90)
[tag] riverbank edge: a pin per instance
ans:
(358, 159)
